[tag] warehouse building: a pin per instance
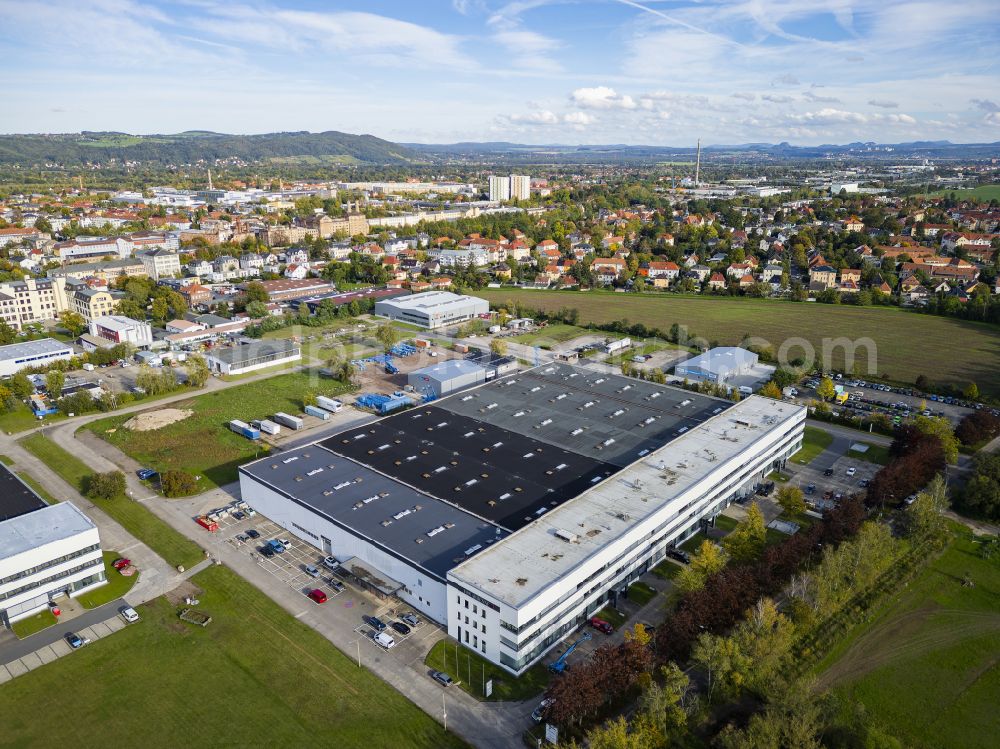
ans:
(495, 365)
(248, 357)
(717, 365)
(46, 551)
(17, 356)
(446, 377)
(514, 510)
(432, 309)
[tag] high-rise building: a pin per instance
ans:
(520, 187)
(499, 188)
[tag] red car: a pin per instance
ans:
(119, 564)
(601, 625)
(317, 595)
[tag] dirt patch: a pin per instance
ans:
(152, 420)
(184, 590)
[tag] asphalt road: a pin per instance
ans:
(10, 651)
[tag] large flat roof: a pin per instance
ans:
(43, 526)
(534, 557)
(394, 516)
(33, 348)
(502, 476)
(16, 498)
(606, 417)
(432, 301)
(247, 351)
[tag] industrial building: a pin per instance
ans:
(494, 364)
(512, 511)
(17, 356)
(46, 551)
(432, 309)
(446, 377)
(717, 365)
(121, 329)
(248, 357)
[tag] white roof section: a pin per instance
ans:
(721, 360)
(116, 322)
(432, 301)
(537, 555)
(34, 348)
(44, 526)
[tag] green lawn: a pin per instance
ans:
(963, 351)
(725, 523)
(36, 487)
(983, 193)
(34, 623)
(202, 444)
(874, 454)
(927, 663)
(136, 519)
(6, 460)
(22, 418)
(117, 586)
(640, 593)
(667, 570)
(692, 544)
(554, 333)
(255, 677)
(612, 617)
(472, 672)
(814, 442)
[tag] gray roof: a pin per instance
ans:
(43, 526)
(719, 360)
(446, 370)
(16, 498)
(372, 506)
(33, 348)
(247, 351)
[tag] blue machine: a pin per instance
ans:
(560, 665)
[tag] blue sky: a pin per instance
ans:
(537, 71)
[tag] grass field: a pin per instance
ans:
(202, 444)
(554, 333)
(117, 585)
(640, 593)
(20, 418)
(907, 344)
(34, 623)
(928, 663)
(983, 192)
(465, 666)
(874, 454)
(136, 519)
(814, 442)
(255, 677)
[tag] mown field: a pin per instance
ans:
(202, 444)
(906, 344)
(928, 664)
(983, 192)
(254, 677)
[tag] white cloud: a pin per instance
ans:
(817, 99)
(777, 98)
(544, 117)
(884, 103)
(528, 49)
(829, 116)
(601, 97)
(579, 118)
(745, 95)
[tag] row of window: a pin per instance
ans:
(48, 580)
(48, 565)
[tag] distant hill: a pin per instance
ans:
(196, 146)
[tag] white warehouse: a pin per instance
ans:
(432, 309)
(514, 510)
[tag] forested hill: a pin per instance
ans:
(194, 147)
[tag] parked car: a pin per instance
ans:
(239, 515)
(330, 563)
(75, 641)
(317, 595)
(679, 554)
(400, 627)
(285, 542)
(129, 614)
(252, 533)
(851, 471)
(375, 623)
(384, 639)
(121, 563)
(864, 483)
(442, 678)
(538, 714)
(601, 626)
(145, 474)
(310, 570)
(828, 472)
(267, 551)
(811, 489)
(278, 547)
(411, 619)
(335, 584)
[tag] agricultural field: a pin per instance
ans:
(983, 193)
(201, 443)
(906, 344)
(254, 677)
(928, 663)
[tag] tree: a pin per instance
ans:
(7, 333)
(73, 322)
(725, 666)
(665, 706)
(746, 542)
(387, 336)
(925, 517)
(256, 310)
(765, 636)
(178, 483)
(977, 427)
(498, 347)
(770, 390)
(159, 310)
(940, 427)
(792, 500)
(825, 389)
(971, 391)
(54, 382)
(21, 386)
(708, 560)
(255, 292)
(106, 486)
(197, 370)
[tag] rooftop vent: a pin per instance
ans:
(567, 536)
(314, 472)
(289, 460)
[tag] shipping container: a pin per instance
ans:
(330, 404)
(244, 429)
(292, 422)
(267, 426)
(318, 412)
(620, 345)
(461, 348)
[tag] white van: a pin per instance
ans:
(744, 390)
(384, 640)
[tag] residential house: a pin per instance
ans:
(824, 275)
(717, 282)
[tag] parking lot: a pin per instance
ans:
(838, 482)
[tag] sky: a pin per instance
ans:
(658, 72)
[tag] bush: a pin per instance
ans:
(977, 427)
(178, 484)
(110, 485)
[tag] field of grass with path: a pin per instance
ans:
(203, 444)
(928, 663)
(134, 517)
(907, 344)
(814, 442)
(254, 677)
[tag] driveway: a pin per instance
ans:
(12, 651)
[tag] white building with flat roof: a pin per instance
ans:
(499, 187)
(121, 329)
(27, 354)
(432, 309)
